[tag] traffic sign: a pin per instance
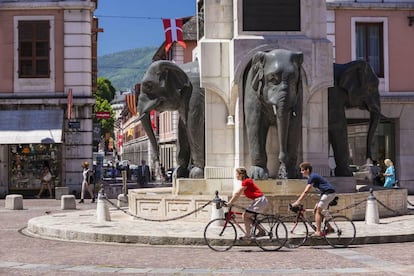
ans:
(103, 115)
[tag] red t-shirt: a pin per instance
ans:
(252, 191)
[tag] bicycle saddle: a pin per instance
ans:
(334, 202)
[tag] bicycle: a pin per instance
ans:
(268, 231)
(338, 231)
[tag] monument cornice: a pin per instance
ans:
(370, 6)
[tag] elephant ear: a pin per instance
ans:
(257, 69)
(173, 78)
(297, 58)
(351, 79)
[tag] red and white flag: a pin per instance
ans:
(70, 103)
(173, 29)
(153, 118)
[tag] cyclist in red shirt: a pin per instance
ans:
(250, 190)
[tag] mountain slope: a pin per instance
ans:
(125, 69)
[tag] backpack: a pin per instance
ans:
(91, 177)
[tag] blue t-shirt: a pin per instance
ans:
(321, 184)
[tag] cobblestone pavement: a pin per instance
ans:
(25, 255)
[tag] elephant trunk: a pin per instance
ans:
(146, 124)
(283, 121)
(373, 124)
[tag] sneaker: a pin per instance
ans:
(81, 201)
(245, 238)
(37, 196)
(93, 200)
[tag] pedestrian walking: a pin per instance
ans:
(86, 173)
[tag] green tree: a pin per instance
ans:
(103, 96)
(107, 125)
(105, 89)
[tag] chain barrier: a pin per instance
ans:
(157, 220)
(389, 209)
(348, 207)
(243, 208)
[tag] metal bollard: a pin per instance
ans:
(102, 210)
(371, 212)
(217, 208)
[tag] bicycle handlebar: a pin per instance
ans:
(295, 209)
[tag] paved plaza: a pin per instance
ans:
(75, 252)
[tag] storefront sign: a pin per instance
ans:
(74, 124)
(103, 115)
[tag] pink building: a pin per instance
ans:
(47, 49)
(382, 33)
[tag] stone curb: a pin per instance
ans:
(82, 226)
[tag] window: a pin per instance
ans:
(369, 45)
(271, 15)
(34, 49)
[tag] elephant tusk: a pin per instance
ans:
(274, 110)
(142, 116)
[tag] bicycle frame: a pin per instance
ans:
(231, 216)
(269, 232)
(338, 231)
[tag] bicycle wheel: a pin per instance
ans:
(297, 231)
(220, 235)
(270, 233)
(344, 231)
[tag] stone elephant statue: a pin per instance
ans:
(355, 86)
(273, 96)
(168, 86)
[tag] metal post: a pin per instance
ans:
(216, 208)
(102, 210)
(371, 212)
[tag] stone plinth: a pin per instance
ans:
(60, 191)
(68, 202)
(157, 204)
(186, 186)
(14, 202)
(190, 194)
(282, 186)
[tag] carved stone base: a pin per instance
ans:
(188, 195)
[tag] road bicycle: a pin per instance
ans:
(268, 231)
(337, 230)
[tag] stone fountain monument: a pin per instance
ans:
(248, 51)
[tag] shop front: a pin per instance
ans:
(29, 140)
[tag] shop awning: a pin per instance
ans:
(31, 126)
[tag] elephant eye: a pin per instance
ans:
(275, 78)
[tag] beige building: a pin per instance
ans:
(47, 49)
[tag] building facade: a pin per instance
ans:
(47, 78)
(382, 33)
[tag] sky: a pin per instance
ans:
(132, 24)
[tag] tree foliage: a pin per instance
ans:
(105, 89)
(104, 95)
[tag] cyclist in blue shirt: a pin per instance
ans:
(326, 189)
